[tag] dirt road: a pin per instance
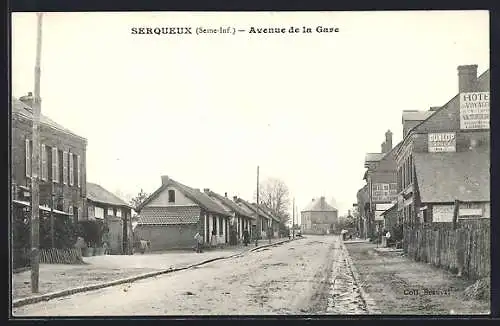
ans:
(292, 278)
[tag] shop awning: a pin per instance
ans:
(43, 208)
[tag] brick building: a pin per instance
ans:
(318, 217)
(363, 207)
(63, 162)
(174, 213)
(445, 157)
(381, 182)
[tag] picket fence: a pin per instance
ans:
(464, 250)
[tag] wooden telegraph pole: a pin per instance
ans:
(293, 219)
(258, 226)
(35, 166)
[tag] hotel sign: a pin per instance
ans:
(442, 142)
(475, 110)
(384, 192)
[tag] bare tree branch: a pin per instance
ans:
(274, 193)
(137, 200)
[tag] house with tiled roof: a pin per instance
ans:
(445, 157)
(241, 218)
(104, 207)
(261, 223)
(172, 215)
(318, 217)
(274, 220)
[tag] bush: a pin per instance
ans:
(92, 232)
(65, 231)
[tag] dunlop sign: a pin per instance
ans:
(475, 110)
(442, 142)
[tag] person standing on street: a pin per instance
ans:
(198, 238)
(245, 238)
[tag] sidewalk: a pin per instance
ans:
(401, 286)
(103, 269)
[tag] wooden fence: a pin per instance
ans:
(464, 250)
(61, 256)
(49, 256)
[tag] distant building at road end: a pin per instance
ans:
(318, 217)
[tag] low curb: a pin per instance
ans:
(271, 244)
(49, 296)
(371, 306)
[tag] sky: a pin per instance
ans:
(206, 110)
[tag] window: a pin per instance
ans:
(60, 165)
(65, 167)
(71, 170)
(78, 169)
(28, 157)
(118, 212)
(110, 211)
(70, 210)
(221, 227)
(171, 196)
(55, 165)
(214, 224)
(44, 171)
(99, 212)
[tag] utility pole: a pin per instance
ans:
(35, 166)
(258, 226)
(52, 230)
(293, 218)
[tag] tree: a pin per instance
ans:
(274, 194)
(346, 222)
(137, 200)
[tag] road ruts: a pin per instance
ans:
(345, 296)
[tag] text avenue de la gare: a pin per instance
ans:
(222, 30)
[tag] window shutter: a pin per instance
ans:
(44, 163)
(65, 167)
(78, 163)
(71, 174)
(54, 164)
(28, 158)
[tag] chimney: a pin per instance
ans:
(164, 179)
(382, 148)
(235, 198)
(467, 77)
(434, 108)
(225, 194)
(313, 199)
(206, 190)
(388, 141)
(27, 99)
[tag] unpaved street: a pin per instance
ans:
(292, 278)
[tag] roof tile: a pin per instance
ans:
(169, 215)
